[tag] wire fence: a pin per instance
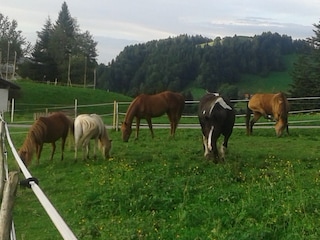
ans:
(113, 112)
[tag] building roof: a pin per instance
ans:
(8, 84)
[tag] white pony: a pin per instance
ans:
(91, 126)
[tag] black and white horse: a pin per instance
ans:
(216, 117)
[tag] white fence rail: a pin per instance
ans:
(57, 220)
(116, 111)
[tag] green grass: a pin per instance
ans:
(163, 188)
(39, 98)
(273, 82)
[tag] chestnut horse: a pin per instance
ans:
(46, 130)
(216, 117)
(268, 104)
(87, 127)
(150, 106)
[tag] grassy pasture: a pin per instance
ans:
(163, 188)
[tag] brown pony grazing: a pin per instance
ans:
(150, 106)
(45, 130)
(268, 104)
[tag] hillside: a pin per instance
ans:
(190, 61)
(275, 81)
(57, 95)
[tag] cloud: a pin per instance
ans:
(145, 20)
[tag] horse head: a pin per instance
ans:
(25, 157)
(105, 145)
(126, 130)
(281, 114)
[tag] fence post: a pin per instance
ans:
(75, 108)
(2, 169)
(6, 211)
(12, 109)
(115, 115)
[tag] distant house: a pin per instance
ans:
(5, 87)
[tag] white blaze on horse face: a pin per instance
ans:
(209, 138)
(222, 104)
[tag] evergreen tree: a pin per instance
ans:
(62, 52)
(306, 71)
(44, 65)
(11, 39)
(62, 42)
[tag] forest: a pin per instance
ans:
(184, 61)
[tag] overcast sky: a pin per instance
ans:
(115, 24)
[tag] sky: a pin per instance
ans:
(115, 24)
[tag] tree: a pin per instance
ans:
(306, 71)
(63, 52)
(11, 39)
(44, 66)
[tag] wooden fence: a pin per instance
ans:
(8, 187)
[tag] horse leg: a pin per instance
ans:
(224, 145)
(75, 151)
(38, 151)
(150, 126)
(86, 146)
(213, 136)
(63, 142)
(53, 144)
(85, 150)
(256, 117)
(94, 148)
(137, 127)
(205, 145)
(173, 123)
(214, 140)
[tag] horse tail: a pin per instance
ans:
(77, 133)
(70, 123)
(286, 109)
(248, 116)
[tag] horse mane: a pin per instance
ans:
(34, 134)
(131, 110)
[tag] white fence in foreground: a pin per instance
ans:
(57, 220)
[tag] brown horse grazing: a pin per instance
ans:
(150, 106)
(216, 117)
(265, 105)
(45, 130)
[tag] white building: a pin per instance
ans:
(5, 87)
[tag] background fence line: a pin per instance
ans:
(115, 111)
